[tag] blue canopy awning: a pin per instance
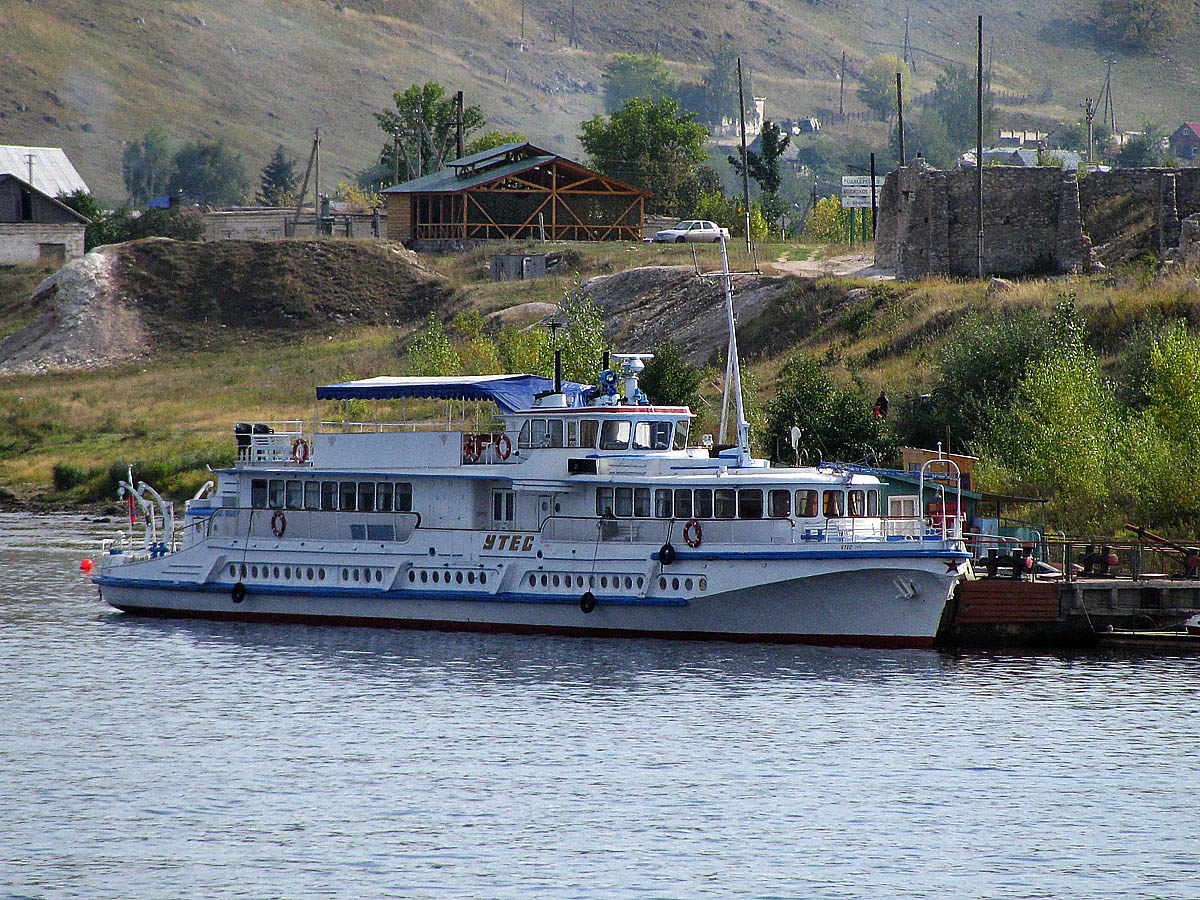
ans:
(510, 393)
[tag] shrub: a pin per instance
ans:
(66, 476)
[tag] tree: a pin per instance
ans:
(926, 135)
(581, 339)
(955, 99)
(764, 167)
(669, 380)
(207, 172)
(650, 144)
(877, 84)
(146, 166)
(423, 125)
(720, 87)
(431, 352)
(835, 423)
(1144, 24)
(278, 180)
(1142, 150)
(493, 139)
(628, 75)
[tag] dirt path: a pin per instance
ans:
(849, 265)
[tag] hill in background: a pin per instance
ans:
(89, 75)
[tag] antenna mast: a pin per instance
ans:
(734, 365)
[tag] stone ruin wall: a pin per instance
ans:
(1040, 220)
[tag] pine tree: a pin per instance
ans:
(278, 180)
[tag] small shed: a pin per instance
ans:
(515, 192)
(35, 226)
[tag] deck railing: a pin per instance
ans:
(584, 529)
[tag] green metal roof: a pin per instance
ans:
(499, 150)
(448, 181)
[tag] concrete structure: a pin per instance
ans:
(34, 226)
(513, 192)
(264, 223)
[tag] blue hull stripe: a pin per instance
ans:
(358, 593)
(819, 554)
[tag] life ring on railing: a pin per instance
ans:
(472, 447)
(693, 534)
(503, 446)
(299, 451)
(278, 523)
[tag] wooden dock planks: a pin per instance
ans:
(1000, 601)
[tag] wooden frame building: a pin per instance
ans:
(498, 194)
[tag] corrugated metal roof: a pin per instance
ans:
(499, 150)
(53, 173)
(447, 181)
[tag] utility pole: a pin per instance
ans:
(458, 123)
(908, 54)
(1089, 113)
(396, 158)
(522, 24)
(745, 157)
(874, 199)
(571, 41)
(979, 147)
(900, 114)
(842, 88)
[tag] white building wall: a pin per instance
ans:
(20, 242)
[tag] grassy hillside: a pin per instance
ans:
(90, 75)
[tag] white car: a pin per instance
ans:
(692, 230)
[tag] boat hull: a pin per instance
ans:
(879, 603)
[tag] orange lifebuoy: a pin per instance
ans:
(503, 446)
(278, 523)
(299, 451)
(693, 534)
(472, 447)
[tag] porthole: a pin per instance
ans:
(378, 575)
(233, 571)
(556, 581)
(591, 581)
(628, 583)
(412, 576)
(287, 572)
(437, 577)
(687, 584)
(424, 576)
(355, 574)
(704, 584)
(603, 581)
(254, 571)
(458, 577)
(674, 584)
(321, 574)
(662, 584)
(545, 581)
(277, 572)
(470, 578)
(309, 573)
(640, 582)
(579, 581)
(482, 578)
(532, 579)
(367, 575)
(345, 574)
(243, 570)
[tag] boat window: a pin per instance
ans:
(806, 504)
(660, 435)
(641, 503)
(856, 504)
(681, 434)
(403, 497)
(312, 495)
(750, 503)
(683, 504)
(615, 435)
(555, 431)
(662, 504)
(703, 505)
(873, 502)
(502, 506)
(835, 504)
(538, 436)
(275, 493)
(604, 501)
(383, 496)
(295, 494)
(588, 429)
(329, 495)
(779, 504)
(572, 433)
(258, 493)
(347, 496)
(641, 436)
(366, 496)
(726, 503)
(523, 437)
(623, 507)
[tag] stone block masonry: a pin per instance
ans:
(1032, 223)
(23, 242)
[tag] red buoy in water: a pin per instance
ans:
(85, 566)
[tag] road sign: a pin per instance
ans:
(856, 190)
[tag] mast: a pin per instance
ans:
(743, 427)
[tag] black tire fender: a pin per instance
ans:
(239, 592)
(666, 554)
(587, 602)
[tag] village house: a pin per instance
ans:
(1185, 142)
(34, 225)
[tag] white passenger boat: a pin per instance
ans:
(584, 510)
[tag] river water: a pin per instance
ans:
(158, 759)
